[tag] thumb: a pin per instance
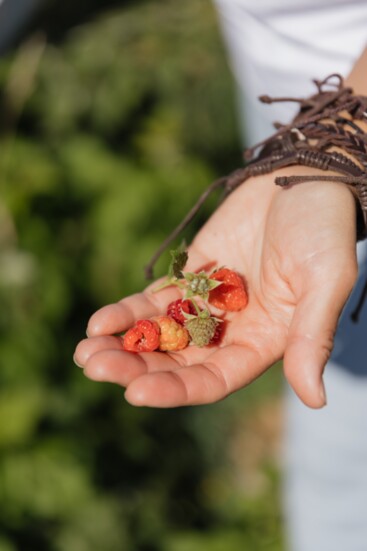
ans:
(311, 333)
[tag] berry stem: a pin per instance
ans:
(195, 304)
(168, 283)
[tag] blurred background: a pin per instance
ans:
(114, 117)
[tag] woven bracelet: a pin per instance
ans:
(326, 124)
(326, 121)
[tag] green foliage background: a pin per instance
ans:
(110, 130)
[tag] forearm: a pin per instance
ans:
(357, 78)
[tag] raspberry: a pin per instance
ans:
(142, 337)
(231, 295)
(202, 328)
(219, 330)
(173, 336)
(176, 308)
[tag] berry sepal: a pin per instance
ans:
(199, 285)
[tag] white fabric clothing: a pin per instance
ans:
(277, 47)
(325, 478)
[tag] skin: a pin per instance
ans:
(296, 249)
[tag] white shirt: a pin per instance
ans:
(278, 46)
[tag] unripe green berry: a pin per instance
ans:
(201, 329)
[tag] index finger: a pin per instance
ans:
(118, 317)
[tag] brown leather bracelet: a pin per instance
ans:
(324, 135)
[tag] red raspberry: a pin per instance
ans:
(173, 336)
(143, 337)
(176, 308)
(218, 335)
(231, 295)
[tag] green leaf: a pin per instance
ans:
(178, 262)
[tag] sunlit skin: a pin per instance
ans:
(296, 249)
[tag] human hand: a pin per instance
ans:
(296, 250)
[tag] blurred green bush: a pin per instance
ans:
(108, 137)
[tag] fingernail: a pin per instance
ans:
(323, 394)
(76, 363)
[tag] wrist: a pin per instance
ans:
(328, 133)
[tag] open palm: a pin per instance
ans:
(296, 249)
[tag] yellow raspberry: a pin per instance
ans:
(172, 336)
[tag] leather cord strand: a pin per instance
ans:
(324, 134)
